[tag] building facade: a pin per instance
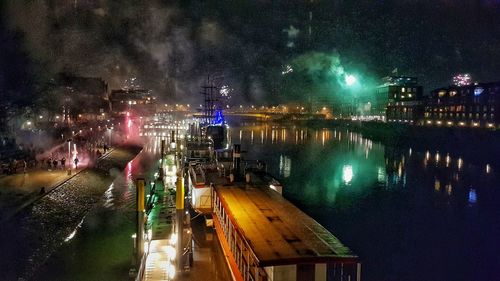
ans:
(398, 99)
(137, 102)
(474, 105)
(82, 99)
(404, 99)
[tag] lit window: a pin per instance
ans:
(441, 93)
(403, 90)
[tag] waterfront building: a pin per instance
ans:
(403, 99)
(82, 98)
(474, 105)
(398, 99)
(137, 101)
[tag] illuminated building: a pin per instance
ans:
(82, 98)
(474, 105)
(136, 101)
(402, 97)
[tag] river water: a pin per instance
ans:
(409, 215)
(102, 247)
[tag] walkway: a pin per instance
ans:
(20, 189)
(209, 263)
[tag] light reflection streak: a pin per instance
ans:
(472, 196)
(437, 185)
(449, 189)
(72, 234)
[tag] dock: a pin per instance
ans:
(209, 262)
(257, 234)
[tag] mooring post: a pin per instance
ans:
(161, 171)
(179, 205)
(140, 185)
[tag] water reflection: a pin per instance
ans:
(102, 240)
(418, 208)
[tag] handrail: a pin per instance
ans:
(140, 272)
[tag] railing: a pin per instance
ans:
(142, 267)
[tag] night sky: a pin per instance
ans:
(171, 46)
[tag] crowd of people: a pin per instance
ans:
(46, 151)
(58, 158)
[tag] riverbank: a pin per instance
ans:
(462, 142)
(30, 237)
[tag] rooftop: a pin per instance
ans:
(277, 231)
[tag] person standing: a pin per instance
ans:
(49, 163)
(76, 162)
(63, 163)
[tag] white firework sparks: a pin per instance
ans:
(288, 69)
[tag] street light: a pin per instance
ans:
(110, 131)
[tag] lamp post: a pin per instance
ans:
(69, 157)
(110, 130)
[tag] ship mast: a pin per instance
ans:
(210, 98)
